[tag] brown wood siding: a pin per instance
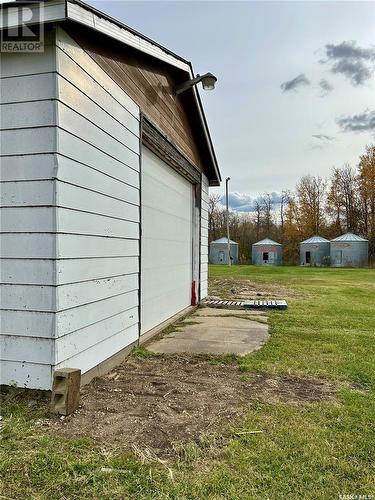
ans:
(150, 84)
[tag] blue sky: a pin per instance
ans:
(267, 136)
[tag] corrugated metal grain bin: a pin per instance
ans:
(219, 251)
(267, 253)
(315, 251)
(349, 250)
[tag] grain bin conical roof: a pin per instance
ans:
(349, 237)
(316, 239)
(267, 241)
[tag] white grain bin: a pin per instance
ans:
(315, 251)
(219, 251)
(349, 250)
(267, 253)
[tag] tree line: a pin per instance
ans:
(344, 202)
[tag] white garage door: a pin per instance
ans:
(166, 258)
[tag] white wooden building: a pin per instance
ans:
(104, 190)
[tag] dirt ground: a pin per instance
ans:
(154, 403)
(232, 289)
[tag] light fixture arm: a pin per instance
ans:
(190, 83)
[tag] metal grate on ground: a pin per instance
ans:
(248, 304)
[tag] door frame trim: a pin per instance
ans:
(154, 139)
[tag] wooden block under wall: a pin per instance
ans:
(66, 390)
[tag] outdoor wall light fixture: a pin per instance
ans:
(208, 83)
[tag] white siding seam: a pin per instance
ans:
(97, 126)
(27, 74)
(67, 308)
(57, 175)
(32, 336)
(15, 207)
(18, 335)
(97, 104)
(95, 147)
(60, 101)
(93, 301)
(49, 179)
(71, 258)
(91, 78)
(30, 127)
(68, 233)
(66, 283)
(43, 363)
(38, 99)
(98, 343)
(48, 153)
(99, 192)
(97, 214)
(97, 170)
(67, 334)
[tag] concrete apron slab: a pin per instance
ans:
(213, 335)
(244, 313)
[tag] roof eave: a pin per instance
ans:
(134, 38)
(82, 13)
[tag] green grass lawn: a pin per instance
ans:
(320, 450)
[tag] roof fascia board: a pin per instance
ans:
(92, 18)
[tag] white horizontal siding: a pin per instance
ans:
(27, 100)
(37, 349)
(28, 141)
(48, 272)
(80, 198)
(26, 375)
(28, 167)
(68, 246)
(79, 57)
(66, 346)
(204, 239)
(97, 212)
(28, 298)
(13, 64)
(89, 314)
(28, 219)
(100, 181)
(84, 153)
(49, 219)
(75, 222)
(28, 114)
(70, 71)
(77, 294)
(27, 323)
(28, 88)
(27, 193)
(27, 271)
(71, 246)
(87, 359)
(96, 137)
(77, 100)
